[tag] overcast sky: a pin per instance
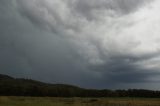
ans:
(89, 43)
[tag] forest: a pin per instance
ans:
(10, 86)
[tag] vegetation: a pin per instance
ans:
(52, 101)
(24, 87)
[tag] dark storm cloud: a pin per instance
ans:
(27, 51)
(123, 70)
(91, 44)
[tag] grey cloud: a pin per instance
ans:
(45, 15)
(77, 42)
(124, 69)
(88, 9)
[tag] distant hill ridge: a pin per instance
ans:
(5, 77)
(10, 86)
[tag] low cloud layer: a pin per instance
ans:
(99, 44)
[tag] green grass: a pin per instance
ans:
(48, 101)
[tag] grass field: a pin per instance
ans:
(48, 101)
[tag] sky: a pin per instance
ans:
(113, 44)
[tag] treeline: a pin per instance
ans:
(23, 87)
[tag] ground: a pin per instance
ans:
(52, 101)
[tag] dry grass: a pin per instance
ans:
(48, 101)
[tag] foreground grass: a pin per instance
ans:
(48, 101)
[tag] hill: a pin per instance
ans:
(26, 87)
(10, 86)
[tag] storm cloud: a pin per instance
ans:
(89, 43)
